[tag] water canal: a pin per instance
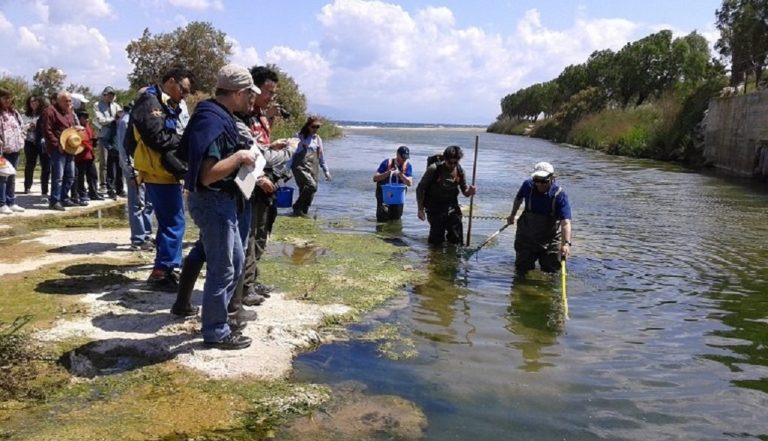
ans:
(668, 293)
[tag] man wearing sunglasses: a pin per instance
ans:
(544, 228)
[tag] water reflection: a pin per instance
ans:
(535, 316)
(437, 298)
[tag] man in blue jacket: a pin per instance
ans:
(544, 228)
(214, 155)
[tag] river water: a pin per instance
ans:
(667, 335)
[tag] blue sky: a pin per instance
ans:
(447, 61)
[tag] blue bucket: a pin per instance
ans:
(284, 197)
(393, 194)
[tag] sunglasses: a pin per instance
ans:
(315, 126)
(541, 181)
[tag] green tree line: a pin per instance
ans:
(648, 98)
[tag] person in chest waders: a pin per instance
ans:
(437, 197)
(544, 228)
(306, 164)
(396, 170)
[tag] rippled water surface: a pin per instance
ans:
(668, 294)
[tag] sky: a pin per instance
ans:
(417, 61)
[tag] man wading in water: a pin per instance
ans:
(544, 228)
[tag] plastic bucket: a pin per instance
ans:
(284, 197)
(393, 194)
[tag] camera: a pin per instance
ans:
(284, 113)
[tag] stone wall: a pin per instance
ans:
(736, 134)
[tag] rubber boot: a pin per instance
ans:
(190, 270)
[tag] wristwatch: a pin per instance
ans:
(568, 242)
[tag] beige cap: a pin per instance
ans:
(235, 77)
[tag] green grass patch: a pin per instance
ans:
(357, 270)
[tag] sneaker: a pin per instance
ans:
(68, 203)
(112, 195)
(184, 310)
(97, 197)
(231, 341)
(253, 299)
(17, 209)
(263, 289)
(236, 325)
(82, 203)
(57, 206)
(6, 210)
(142, 246)
(163, 280)
(122, 194)
(246, 315)
(44, 199)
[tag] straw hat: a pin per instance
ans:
(71, 141)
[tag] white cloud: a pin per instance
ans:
(198, 5)
(5, 25)
(310, 70)
(28, 41)
(65, 11)
(244, 56)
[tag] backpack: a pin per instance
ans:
(434, 158)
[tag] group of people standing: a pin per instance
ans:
(67, 158)
(543, 229)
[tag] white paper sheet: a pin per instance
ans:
(248, 175)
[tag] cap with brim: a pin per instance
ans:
(543, 170)
(71, 141)
(235, 77)
(107, 90)
(404, 152)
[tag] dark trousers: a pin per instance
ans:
(31, 153)
(114, 173)
(445, 224)
(263, 215)
(86, 173)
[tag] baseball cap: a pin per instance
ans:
(543, 170)
(108, 90)
(404, 152)
(235, 77)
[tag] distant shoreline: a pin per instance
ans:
(424, 127)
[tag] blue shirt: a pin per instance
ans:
(384, 166)
(541, 203)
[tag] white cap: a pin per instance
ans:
(235, 77)
(543, 170)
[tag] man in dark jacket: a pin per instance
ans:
(437, 195)
(153, 123)
(214, 157)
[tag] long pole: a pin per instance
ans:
(564, 292)
(472, 198)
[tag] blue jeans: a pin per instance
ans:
(216, 215)
(8, 183)
(197, 253)
(62, 176)
(168, 203)
(139, 211)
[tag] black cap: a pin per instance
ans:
(404, 152)
(81, 112)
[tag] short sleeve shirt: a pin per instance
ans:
(541, 203)
(222, 148)
(385, 165)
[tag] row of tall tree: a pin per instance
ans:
(640, 70)
(743, 26)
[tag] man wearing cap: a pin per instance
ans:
(544, 228)
(55, 119)
(105, 112)
(395, 170)
(214, 157)
(153, 124)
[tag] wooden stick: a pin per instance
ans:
(472, 198)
